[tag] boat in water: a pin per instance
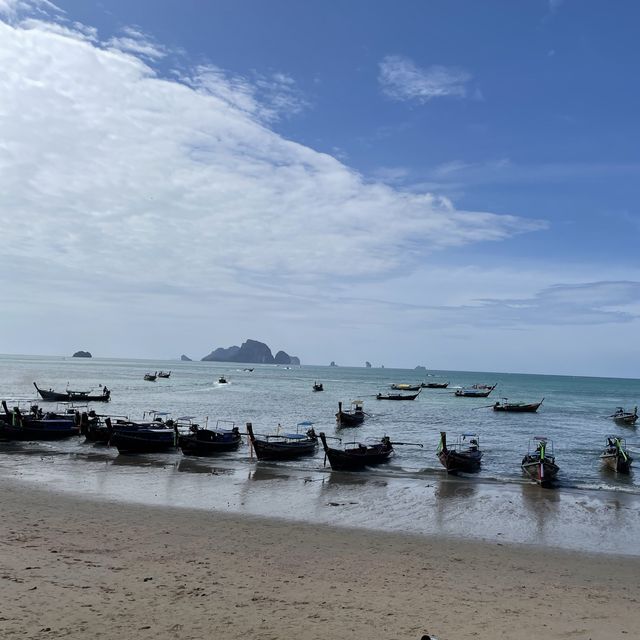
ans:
(464, 455)
(350, 418)
(398, 396)
(540, 463)
(403, 386)
(517, 407)
(157, 435)
(475, 391)
(284, 446)
(164, 374)
(222, 380)
(202, 441)
(434, 385)
(151, 377)
(318, 386)
(73, 396)
(36, 424)
(615, 455)
(626, 418)
(355, 456)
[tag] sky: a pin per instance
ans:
(445, 183)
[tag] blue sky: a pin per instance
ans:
(445, 183)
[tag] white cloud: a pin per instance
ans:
(110, 170)
(401, 79)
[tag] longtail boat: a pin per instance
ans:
(318, 386)
(402, 386)
(434, 385)
(464, 455)
(475, 391)
(517, 407)
(355, 455)
(397, 396)
(625, 417)
(73, 396)
(284, 446)
(540, 463)
(37, 424)
(150, 377)
(154, 436)
(201, 441)
(615, 455)
(164, 374)
(351, 418)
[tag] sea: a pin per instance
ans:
(590, 508)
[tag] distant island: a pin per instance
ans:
(82, 354)
(420, 368)
(184, 358)
(333, 364)
(251, 351)
(367, 364)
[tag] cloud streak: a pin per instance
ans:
(401, 79)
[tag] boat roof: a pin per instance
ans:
(469, 435)
(182, 417)
(294, 436)
(305, 423)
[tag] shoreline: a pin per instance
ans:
(429, 505)
(76, 567)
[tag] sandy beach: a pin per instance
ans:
(77, 568)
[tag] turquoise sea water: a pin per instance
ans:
(574, 415)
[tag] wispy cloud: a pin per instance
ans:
(134, 41)
(401, 79)
(554, 5)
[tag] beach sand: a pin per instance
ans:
(76, 568)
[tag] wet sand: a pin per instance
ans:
(77, 568)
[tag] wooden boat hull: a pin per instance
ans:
(40, 431)
(616, 462)
(72, 396)
(463, 461)
(472, 393)
(397, 396)
(143, 440)
(543, 472)
(283, 450)
(627, 421)
(406, 387)
(435, 385)
(357, 458)
(208, 443)
(517, 408)
(344, 419)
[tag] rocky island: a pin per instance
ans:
(184, 358)
(251, 351)
(82, 354)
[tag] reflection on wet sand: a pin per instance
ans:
(449, 488)
(350, 479)
(195, 465)
(265, 472)
(142, 461)
(541, 506)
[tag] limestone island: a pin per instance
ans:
(82, 354)
(184, 358)
(252, 352)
